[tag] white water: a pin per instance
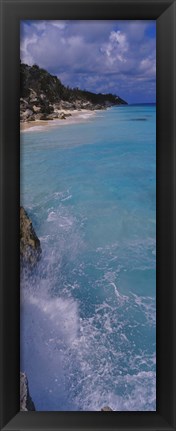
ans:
(88, 310)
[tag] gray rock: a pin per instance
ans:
(57, 106)
(97, 107)
(52, 116)
(42, 90)
(32, 96)
(26, 402)
(33, 100)
(38, 116)
(66, 105)
(36, 108)
(62, 116)
(32, 118)
(30, 250)
(106, 409)
(42, 96)
(26, 114)
(46, 117)
(23, 103)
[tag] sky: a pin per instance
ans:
(116, 57)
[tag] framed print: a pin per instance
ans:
(88, 237)
(87, 270)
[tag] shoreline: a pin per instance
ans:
(76, 116)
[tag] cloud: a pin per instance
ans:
(97, 55)
(58, 24)
(116, 48)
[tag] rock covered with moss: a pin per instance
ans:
(30, 249)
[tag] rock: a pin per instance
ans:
(52, 116)
(51, 108)
(106, 409)
(59, 114)
(41, 92)
(26, 402)
(36, 108)
(30, 250)
(32, 95)
(32, 118)
(23, 104)
(78, 104)
(46, 108)
(42, 96)
(46, 117)
(26, 114)
(57, 106)
(38, 116)
(33, 100)
(66, 105)
(98, 107)
(62, 116)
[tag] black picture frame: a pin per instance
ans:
(164, 11)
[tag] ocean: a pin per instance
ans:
(88, 310)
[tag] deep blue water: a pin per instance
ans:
(88, 310)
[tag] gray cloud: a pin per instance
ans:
(116, 56)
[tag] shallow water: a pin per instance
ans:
(88, 310)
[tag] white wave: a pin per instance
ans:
(49, 326)
(62, 220)
(75, 362)
(148, 306)
(71, 362)
(52, 216)
(119, 296)
(66, 198)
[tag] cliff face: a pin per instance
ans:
(43, 96)
(26, 402)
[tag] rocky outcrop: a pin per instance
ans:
(30, 249)
(26, 402)
(44, 97)
(106, 409)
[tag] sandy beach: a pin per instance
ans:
(75, 117)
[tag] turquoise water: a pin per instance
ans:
(88, 310)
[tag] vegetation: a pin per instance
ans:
(42, 82)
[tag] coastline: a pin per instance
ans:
(76, 116)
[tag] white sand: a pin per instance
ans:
(76, 117)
